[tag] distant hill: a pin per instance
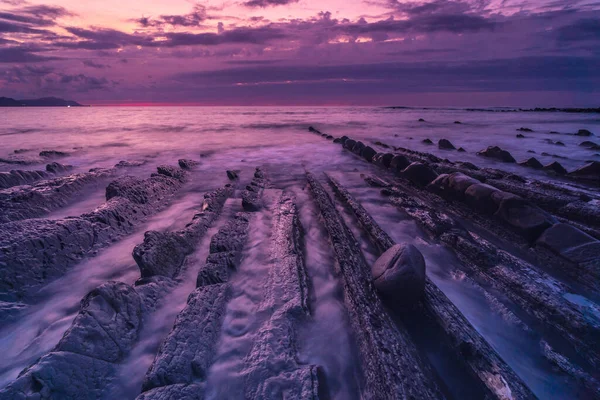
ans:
(43, 102)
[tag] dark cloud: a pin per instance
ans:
(20, 55)
(260, 35)
(35, 16)
(92, 64)
(13, 27)
(268, 3)
(194, 18)
(580, 30)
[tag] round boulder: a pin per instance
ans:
(399, 162)
(584, 132)
(358, 148)
(419, 174)
(368, 153)
(427, 141)
(555, 167)
(497, 153)
(591, 169)
(399, 276)
(532, 162)
(349, 144)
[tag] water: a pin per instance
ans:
(276, 138)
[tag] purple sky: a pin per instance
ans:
(303, 52)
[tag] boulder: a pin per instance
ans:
(172, 172)
(468, 165)
(584, 132)
(53, 153)
(421, 120)
(458, 184)
(399, 276)
(349, 144)
(232, 175)
(399, 162)
(445, 144)
(555, 167)
(497, 153)
(57, 167)
(419, 174)
(386, 160)
(559, 143)
(591, 169)
(563, 238)
(187, 164)
(343, 139)
(427, 141)
(590, 145)
(358, 148)
(531, 151)
(520, 136)
(532, 162)
(527, 219)
(368, 153)
(457, 122)
(461, 150)
(525, 129)
(480, 197)
(127, 164)
(337, 140)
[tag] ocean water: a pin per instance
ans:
(277, 139)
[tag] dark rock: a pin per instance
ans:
(590, 145)
(368, 153)
(126, 164)
(565, 240)
(525, 129)
(161, 253)
(427, 141)
(584, 132)
(445, 144)
(56, 167)
(591, 169)
(556, 167)
(358, 148)
(421, 120)
(515, 178)
(452, 185)
(457, 122)
(175, 392)
(232, 175)
(461, 150)
(329, 137)
(468, 165)
(252, 196)
(531, 151)
(53, 153)
(349, 144)
(399, 276)
(187, 164)
(343, 139)
(20, 177)
(399, 162)
(520, 136)
(559, 143)
(497, 153)
(172, 172)
(337, 140)
(20, 151)
(532, 163)
(419, 174)
(479, 196)
(313, 130)
(527, 219)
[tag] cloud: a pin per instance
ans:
(580, 30)
(20, 55)
(268, 3)
(194, 18)
(92, 64)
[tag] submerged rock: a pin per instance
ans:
(421, 120)
(419, 174)
(520, 136)
(399, 275)
(125, 164)
(497, 153)
(482, 198)
(590, 145)
(53, 153)
(529, 220)
(232, 175)
(349, 144)
(457, 122)
(525, 129)
(427, 141)
(461, 150)
(445, 144)
(187, 164)
(556, 167)
(591, 169)
(57, 167)
(532, 163)
(358, 148)
(584, 132)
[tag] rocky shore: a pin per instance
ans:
(527, 246)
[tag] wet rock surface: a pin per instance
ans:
(497, 153)
(251, 197)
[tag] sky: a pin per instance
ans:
(303, 52)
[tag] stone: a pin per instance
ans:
(525, 129)
(358, 148)
(445, 144)
(457, 122)
(368, 153)
(584, 132)
(527, 219)
(590, 145)
(555, 167)
(53, 153)
(232, 175)
(175, 392)
(479, 196)
(57, 167)
(458, 184)
(187, 164)
(126, 164)
(497, 153)
(343, 139)
(419, 174)
(161, 253)
(172, 172)
(337, 140)
(427, 141)
(386, 160)
(421, 120)
(461, 150)
(531, 151)
(399, 276)
(399, 162)
(562, 237)
(532, 162)
(520, 136)
(349, 144)
(591, 169)
(468, 165)
(559, 143)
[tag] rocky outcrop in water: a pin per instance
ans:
(497, 153)
(36, 251)
(22, 177)
(445, 144)
(251, 197)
